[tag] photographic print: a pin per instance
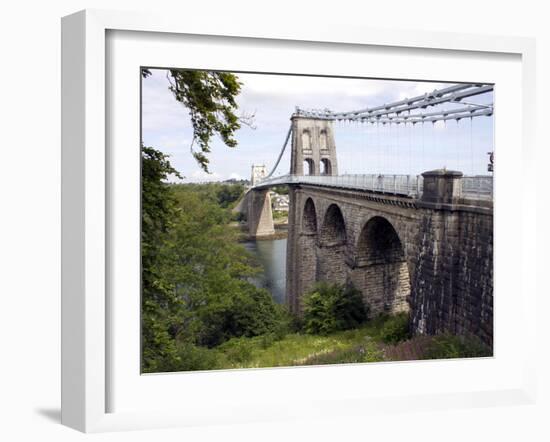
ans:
(293, 220)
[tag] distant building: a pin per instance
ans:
(279, 202)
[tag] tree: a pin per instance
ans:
(158, 214)
(195, 291)
(211, 271)
(209, 97)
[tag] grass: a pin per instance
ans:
(357, 345)
(381, 339)
(385, 338)
(280, 215)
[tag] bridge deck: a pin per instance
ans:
(473, 187)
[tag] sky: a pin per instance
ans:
(361, 148)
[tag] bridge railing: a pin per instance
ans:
(473, 187)
(477, 187)
(409, 185)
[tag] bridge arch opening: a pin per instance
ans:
(331, 247)
(380, 269)
(326, 167)
(309, 166)
(309, 219)
(333, 231)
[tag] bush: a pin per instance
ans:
(395, 329)
(452, 346)
(332, 307)
(237, 350)
(193, 357)
(279, 214)
(245, 311)
(185, 356)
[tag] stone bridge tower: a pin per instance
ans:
(258, 174)
(313, 148)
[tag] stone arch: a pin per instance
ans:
(379, 242)
(309, 218)
(309, 166)
(323, 139)
(380, 267)
(333, 230)
(306, 140)
(326, 166)
(331, 247)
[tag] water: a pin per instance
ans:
(271, 255)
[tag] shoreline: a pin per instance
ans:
(281, 232)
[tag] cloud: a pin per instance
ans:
(415, 89)
(202, 176)
(166, 126)
(160, 110)
(283, 86)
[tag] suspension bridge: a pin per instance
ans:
(403, 113)
(410, 242)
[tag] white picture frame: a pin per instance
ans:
(86, 315)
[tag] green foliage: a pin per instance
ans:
(158, 298)
(247, 311)
(354, 345)
(226, 195)
(194, 357)
(210, 99)
(239, 216)
(279, 214)
(395, 329)
(367, 351)
(194, 274)
(331, 307)
(454, 346)
(237, 351)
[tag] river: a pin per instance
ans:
(271, 255)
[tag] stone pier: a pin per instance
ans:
(260, 217)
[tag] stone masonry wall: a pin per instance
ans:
(385, 287)
(331, 264)
(444, 274)
(474, 276)
(454, 292)
(308, 260)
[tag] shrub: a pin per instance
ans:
(243, 311)
(237, 350)
(193, 357)
(279, 214)
(395, 329)
(332, 307)
(452, 346)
